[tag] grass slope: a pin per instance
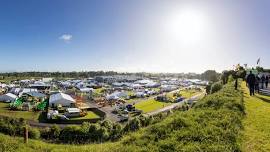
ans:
(16, 144)
(256, 135)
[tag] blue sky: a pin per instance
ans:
(133, 35)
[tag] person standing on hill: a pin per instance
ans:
(263, 81)
(251, 83)
(266, 81)
(257, 84)
(236, 84)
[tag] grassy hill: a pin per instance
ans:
(214, 124)
(256, 136)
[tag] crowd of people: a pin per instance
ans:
(255, 83)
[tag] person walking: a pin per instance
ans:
(236, 84)
(266, 81)
(257, 84)
(251, 83)
(263, 81)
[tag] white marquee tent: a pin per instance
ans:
(61, 98)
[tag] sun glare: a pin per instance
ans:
(187, 26)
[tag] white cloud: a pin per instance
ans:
(66, 37)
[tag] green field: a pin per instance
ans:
(256, 136)
(185, 93)
(90, 115)
(4, 111)
(189, 93)
(99, 90)
(151, 105)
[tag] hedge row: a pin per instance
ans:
(78, 134)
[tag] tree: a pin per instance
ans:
(226, 74)
(210, 75)
(259, 69)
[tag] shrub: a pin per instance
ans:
(133, 125)
(12, 126)
(107, 124)
(71, 134)
(216, 87)
(116, 132)
(54, 132)
(44, 133)
(230, 79)
(208, 88)
(103, 134)
(34, 133)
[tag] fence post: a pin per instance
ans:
(26, 134)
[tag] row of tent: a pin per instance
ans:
(54, 100)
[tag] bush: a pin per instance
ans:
(54, 132)
(34, 133)
(44, 133)
(216, 87)
(71, 134)
(208, 88)
(117, 131)
(107, 124)
(133, 125)
(12, 126)
(230, 79)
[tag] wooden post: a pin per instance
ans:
(25, 134)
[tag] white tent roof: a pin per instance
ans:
(86, 89)
(61, 98)
(11, 95)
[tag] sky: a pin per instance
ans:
(133, 35)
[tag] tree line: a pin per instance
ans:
(209, 75)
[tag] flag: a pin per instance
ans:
(258, 61)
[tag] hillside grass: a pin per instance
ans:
(256, 136)
(16, 144)
(214, 124)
